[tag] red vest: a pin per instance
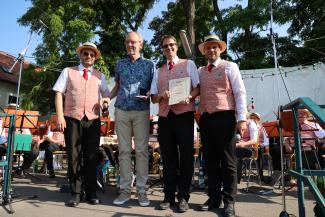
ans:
(179, 71)
(81, 96)
(215, 89)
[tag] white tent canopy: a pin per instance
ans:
(262, 86)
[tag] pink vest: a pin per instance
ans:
(81, 96)
(179, 71)
(215, 89)
(58, 136)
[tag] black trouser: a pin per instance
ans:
(176, 139)
(3, 150)
(106, 152)
(217, 134)
(260, 161)
(49, 149)
(29, 157)
(240, 154)
(82, 142)
(275, 153)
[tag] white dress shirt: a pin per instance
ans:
(61, 83)
(191, 69)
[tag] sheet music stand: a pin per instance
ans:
(20, 119)
(24, 119)
(272, 129)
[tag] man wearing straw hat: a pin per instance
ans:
(223, 109)
(82, 87)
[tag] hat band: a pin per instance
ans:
(212, 39)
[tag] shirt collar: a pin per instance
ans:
(128, 57)
(175, 60)
(216, 62)
(81, 68)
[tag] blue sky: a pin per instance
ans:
(14, 38)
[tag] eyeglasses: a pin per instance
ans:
(92, 55)
(131, 42)
(168, 45)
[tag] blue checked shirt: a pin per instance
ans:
(132, 77)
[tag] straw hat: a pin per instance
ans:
(214, 39)
(255, 114)
(91, 46)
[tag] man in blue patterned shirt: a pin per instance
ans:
(133, 76)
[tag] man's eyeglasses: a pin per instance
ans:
(92, 55)
(168, 45)
(131, 42)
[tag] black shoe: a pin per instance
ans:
(182, 205)
(74, 201)
(51, 174)
(209, 205)
(166, 203)
(92, 199)
(19, 173)
(229, 209)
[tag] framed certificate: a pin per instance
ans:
(179, 90)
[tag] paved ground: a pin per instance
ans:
(50, 203)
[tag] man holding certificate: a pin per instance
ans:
(175, 86)
(223, 109)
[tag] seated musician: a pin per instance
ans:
(311, 135)
(108, 150)
(53, 141)
(29, 156)
(244, 147)
(263, 145)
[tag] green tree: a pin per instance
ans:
(174, 19)
(71, 23)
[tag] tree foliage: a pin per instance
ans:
(70, 23)
(247, 30)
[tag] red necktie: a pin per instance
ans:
(210, 66)
(85, 75)
(171, 65)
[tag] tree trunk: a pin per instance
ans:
(189, 8)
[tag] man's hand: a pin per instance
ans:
(187, 100)
(60, 124)
(241, 126)
(165, 94)
(239, 145)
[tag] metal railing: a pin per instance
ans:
(304, 176)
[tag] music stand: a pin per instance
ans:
(272, 129)
(24, 119)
